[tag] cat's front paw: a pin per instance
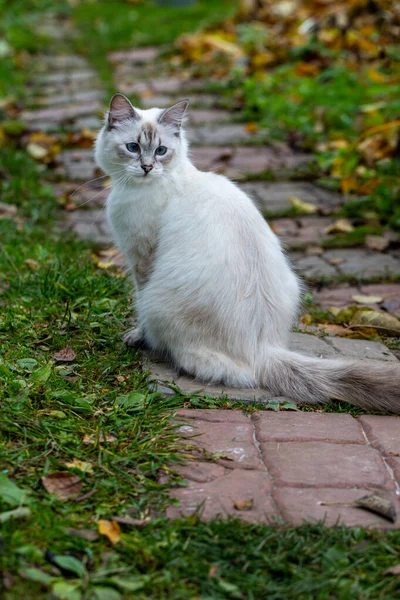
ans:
(134, 338)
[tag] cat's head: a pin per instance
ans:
(141, 145)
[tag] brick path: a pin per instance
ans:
(291, 466)
(269, 465)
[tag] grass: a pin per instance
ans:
(96, 418)
(107, 26)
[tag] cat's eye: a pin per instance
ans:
(161, 150)
(132, 147)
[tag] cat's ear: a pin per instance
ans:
(121, 110)
(173, 116)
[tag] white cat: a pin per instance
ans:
(214, 290)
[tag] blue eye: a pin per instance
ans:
(132, 147)
(161, 150)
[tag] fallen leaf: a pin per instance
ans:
(305, 207)
(37, 152)
(340, 226)
(381, 321)
(62, 484)
(110, 529)
(378, 504)
(8, 210)
(132, 522)
(23, 512)
(331, 329)
(102, 438)
(367, 299)
(67, 354)
(251, 128)
(377, 242)
(393, 570)
(213, 571)
(11, 493)
(89, 535)
(244, 505)
(85, 467)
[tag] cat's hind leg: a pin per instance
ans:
(211, 366)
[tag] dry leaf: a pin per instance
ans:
(101, 438)
(381, 321)
(110, 529)
(331, 329)
(90, 535)
(62, 484)
(85, 467)
(67, 354)
(245, 505)
(304, 207)
(367, 299)
(378, 504)
(32, 264)
(213, 571)
(37, 152)
(393, 570)
(132, 522)
(251, 127)
(340, 226)
(377, 242)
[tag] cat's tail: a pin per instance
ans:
(368, 384)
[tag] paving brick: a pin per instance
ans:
(219, 497)
(329, 504)
(302, 231)
(312, 267)
(72, 98)
(220, 135)
(62, 61)
(298, 427)
(68, 76)
(237, 162)
(364, 263)
(197, 116)
(319, 464)
(361, 349)
(212, 415)
(338, 296)
(78, 165)
(383, 432)
(162, 101)
(59, 114)
(310, 345)
(274, 196)
(135, 56)
(233, 440)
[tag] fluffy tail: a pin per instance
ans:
(371, 386)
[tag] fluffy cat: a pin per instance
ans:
(214, 290)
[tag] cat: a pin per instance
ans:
(215, 292)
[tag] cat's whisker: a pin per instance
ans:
(86, 183)
(93, 197)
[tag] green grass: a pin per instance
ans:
(107, 26)
(53, 295)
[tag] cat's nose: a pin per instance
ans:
(147, 168)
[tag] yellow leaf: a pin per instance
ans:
(301, 206)
(340, 226)
(376, 76)
(37, 152)
(381, 321)
(85, 467)
(348, 184)
(110, 529)
(367, 299)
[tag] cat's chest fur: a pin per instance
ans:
(135, 218)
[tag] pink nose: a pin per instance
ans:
(147, 168)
